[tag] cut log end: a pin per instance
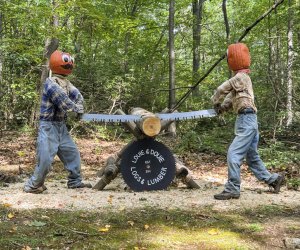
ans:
(151, 126)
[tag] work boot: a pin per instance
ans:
(276, 185)
(82, 185)
(38, 190)
(226, 196)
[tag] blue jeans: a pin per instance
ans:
(244, 146)
(54, 138)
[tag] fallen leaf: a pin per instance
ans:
(146, 227)
(131, 223)
(104, 229)
(122, 208)
(26, 248)
(10, 216)
(109, 199)
(21, 153)
(213, 231)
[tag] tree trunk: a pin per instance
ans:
(227, 28)
(290, 67)
(172, 127)
(197, 18)
(127, 37)
(51, 45)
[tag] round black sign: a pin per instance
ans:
(147, 165)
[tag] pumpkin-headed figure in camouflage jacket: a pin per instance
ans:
(59, 97)
(237, 94)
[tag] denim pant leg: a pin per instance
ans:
(256, 164)
(245, 130)
(47, 146)
(69, 155)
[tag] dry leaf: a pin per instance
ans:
(109, 199)
(213, 231)
(26, 248)
(131, 223)
(104, 229)
(7, 205)
(10, 216)
(146, 227)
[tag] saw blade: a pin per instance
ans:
(135, 118)
(110, 118)
(187, 115)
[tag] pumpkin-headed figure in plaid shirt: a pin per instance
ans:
(237, 94)
(59, 97)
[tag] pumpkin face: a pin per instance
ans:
(61, 63)
(238, 56)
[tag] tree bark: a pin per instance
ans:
(290, 67)
(51, 45)
(172, 97)
(197, 19)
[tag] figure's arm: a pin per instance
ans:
(227, 103)
(59, 98)
(224, 89)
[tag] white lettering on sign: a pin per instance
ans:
(158, 178)
(137, 176)
(137, 156)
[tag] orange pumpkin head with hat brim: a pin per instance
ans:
(61, 63)
(238, 57)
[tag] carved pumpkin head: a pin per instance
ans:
(238, 56)
(61, 63)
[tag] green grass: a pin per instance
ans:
(147, 228)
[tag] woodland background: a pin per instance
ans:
(149, 53)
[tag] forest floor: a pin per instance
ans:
(271, 217)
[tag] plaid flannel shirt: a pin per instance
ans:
(56, 101)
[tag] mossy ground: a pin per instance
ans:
(148, 228)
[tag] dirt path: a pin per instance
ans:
(209, 171)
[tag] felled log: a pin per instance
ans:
(150, 124)
(131, 126)
(184, 174)
(110, 172)
(111, 169)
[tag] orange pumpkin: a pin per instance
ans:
(238, 56)
(61, 63)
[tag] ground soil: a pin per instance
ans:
(17, 159)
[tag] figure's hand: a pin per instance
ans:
(80, 111)
(219, 109)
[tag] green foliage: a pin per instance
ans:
(278, 155)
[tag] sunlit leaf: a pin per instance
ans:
(213, 231)
(10, 216)
(131, 223)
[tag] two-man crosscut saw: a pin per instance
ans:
(136, 118)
